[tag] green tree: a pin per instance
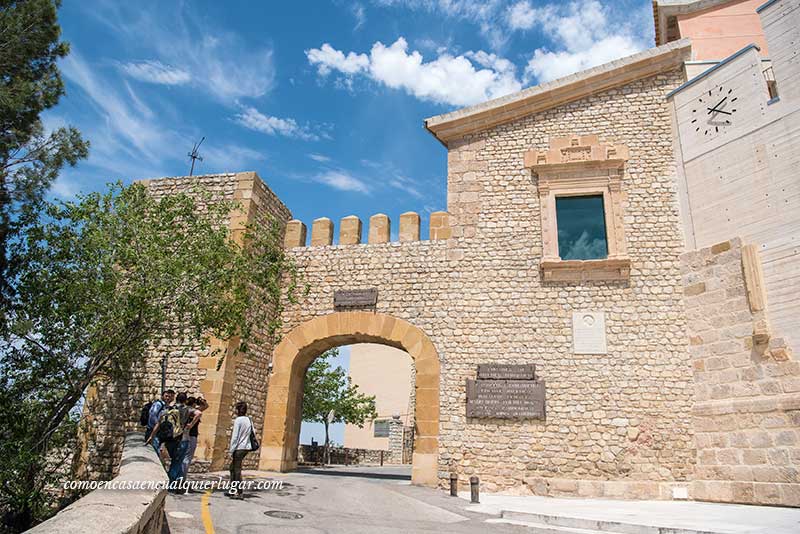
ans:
(328, 390)
(96, 281)
(30, 158)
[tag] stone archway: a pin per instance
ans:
(298, 349)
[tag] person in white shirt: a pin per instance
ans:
(240, 446)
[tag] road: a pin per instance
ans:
(349, 500)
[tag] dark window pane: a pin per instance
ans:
(581, 228)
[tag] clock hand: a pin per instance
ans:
(710, 110)
(720, 103)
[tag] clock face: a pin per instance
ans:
(713, 111)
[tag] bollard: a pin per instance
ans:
(453, 485)
(473, 490)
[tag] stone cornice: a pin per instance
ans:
(482, 116)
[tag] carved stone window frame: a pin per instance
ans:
(581, 166)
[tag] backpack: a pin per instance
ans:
(254, 444)
(173, 420)
(144, 415)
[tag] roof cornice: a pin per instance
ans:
(505, 109)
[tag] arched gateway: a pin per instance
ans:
(293, 355)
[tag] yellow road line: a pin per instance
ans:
(205, 513)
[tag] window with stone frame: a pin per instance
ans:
(580, 198)
(581, 224)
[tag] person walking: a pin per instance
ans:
(240, 446)
(196, 407)
(169, 430)
(153, 415)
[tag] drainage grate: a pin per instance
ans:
(283, 514)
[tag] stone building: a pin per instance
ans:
(387, 374)
(581, 239)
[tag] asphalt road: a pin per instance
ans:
(344, 500)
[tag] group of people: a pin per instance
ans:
(173, 422)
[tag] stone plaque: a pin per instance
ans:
(355, 298)
(506, 399)
(589, 332)
(506, 371)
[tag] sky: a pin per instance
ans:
(336, 430)
(325, 100)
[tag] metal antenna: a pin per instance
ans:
(194, 155)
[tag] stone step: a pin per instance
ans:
(533, 527)
(536, 520)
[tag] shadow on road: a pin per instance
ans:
(332, 471)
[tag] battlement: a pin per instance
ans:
(350, 230)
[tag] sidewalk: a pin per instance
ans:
(601, 515)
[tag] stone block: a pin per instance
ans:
(321, 232)
(721, 247)
(295, 235)
(695, 289)
(380, 228)
(409, 226)
(350, 230)
(440, 225)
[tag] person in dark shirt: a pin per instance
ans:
(196, 409)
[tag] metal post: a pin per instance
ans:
(381, 458)
(163, 374)
(473, 489)
(453, 485)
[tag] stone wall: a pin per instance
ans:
(110, 510)
(479, 296)
(747, 383)
(113, 408)
(308, 454)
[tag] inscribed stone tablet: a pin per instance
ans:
(506, 399)
(506, 371)
(355, 298)
(589, 332)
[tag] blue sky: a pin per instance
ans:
(335, 431)
(324, 99)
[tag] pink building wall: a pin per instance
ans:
(720, 31)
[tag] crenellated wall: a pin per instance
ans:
(380, 230)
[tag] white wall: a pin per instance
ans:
(745, 181)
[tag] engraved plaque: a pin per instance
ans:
(589, 332)
(355, 298)
(506, 371)
(506, 399)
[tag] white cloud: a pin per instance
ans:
(253, 119)
(153, 71)
(328, 59)
(122, 121)
(319, 158)
(227, 158)
(447, 79)
(343, 181)
(546, 65)
(485, 14)
(406, 184)
(582, 33)
(360, 15)
(522, 16)
(64, 187)
(215, 60)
